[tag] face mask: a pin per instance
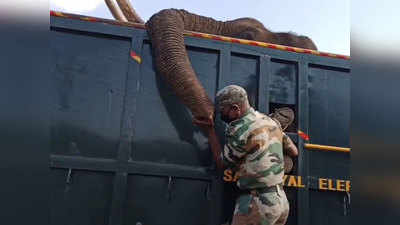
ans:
(226, 118)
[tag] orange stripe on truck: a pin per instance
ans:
(207, 36)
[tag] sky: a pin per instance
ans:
(376, 28)
(327, 23)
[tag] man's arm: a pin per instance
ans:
(215, 147)
(289, 147)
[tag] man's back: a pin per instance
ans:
(254, 148)
(254, 145)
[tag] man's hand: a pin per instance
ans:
(288, 162)
(204, 123)
(289, 147)
(289, 151)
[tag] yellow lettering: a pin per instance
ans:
(340, 185)
(228, 175)
(323, 184)
(330, 185)
(299, 182)
(284, 179)
(292, 182)
(347, 185)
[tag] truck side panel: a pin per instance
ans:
(123, 147)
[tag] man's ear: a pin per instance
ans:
(235, 107)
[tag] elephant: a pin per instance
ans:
(166, 28)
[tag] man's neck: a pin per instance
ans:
(246, 111)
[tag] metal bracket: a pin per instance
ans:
(208, 192)
(346, 204)
(68, 181)
(169, 194)
(263, 83)
(348, 196)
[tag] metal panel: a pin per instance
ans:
(329, 90)
(283, 82)
(330, 164)
(167, 201)
(329, 113)
(89, 75)
(80, 197)
(329, 208)
(165, 132)
(244, 72)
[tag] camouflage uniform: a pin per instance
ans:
(254, 148)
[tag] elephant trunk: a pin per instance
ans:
(166, 32)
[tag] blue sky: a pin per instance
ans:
(326, 22)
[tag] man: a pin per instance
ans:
(254, 149)
(285, 116)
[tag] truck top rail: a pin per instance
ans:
(203, 35)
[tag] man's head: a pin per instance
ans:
(284, 116)
(232, 103)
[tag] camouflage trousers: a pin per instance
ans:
(269, 207)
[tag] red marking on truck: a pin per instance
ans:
(254, 43)
(303, 135)
(136, 57)
(217, 38)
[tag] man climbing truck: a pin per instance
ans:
(254, 149)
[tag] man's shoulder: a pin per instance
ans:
(240, 127)
(262, 120)
(252, 122)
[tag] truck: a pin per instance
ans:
(124, 149)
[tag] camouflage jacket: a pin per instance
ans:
(254, 148)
